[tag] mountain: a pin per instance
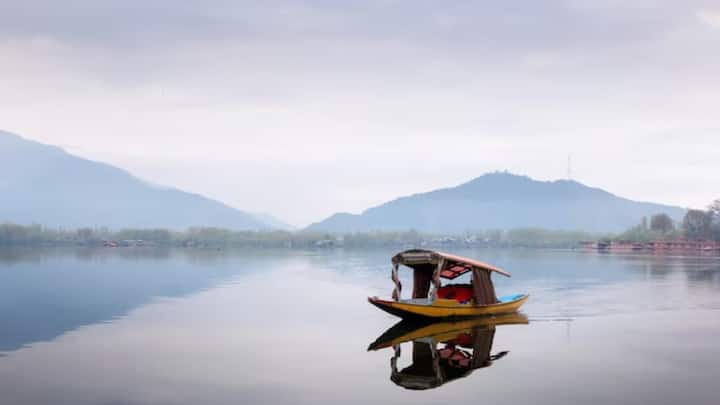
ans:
(502, 200)
(274, 222)
(43, 184)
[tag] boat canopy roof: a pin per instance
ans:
(454, 266)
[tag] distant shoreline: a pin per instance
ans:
(206, 237)
(675, 245)
(218, 238)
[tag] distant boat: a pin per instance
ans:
(432, 300)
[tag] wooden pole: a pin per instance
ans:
(436, 281)
(398, 286)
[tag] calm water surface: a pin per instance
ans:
(133, 326)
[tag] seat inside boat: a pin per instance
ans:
(459, 292)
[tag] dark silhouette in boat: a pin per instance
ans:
(431, 300)
(443, 352)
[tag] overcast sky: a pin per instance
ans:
(304, 108)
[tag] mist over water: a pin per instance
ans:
(184, 326)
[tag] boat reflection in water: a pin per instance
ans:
(443, 351)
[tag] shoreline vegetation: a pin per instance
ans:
(699, 229)
(696, 227)
(209, 237)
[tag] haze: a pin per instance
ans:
(303, 109)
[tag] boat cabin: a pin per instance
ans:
(429, 267)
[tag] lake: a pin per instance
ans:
(185, 326)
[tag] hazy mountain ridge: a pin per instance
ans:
(273, 221)
(501, 201)
(45, 185)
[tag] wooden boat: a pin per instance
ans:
(432, 300)
(443, 351)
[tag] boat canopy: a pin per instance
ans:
(429, 266)
(454, 266)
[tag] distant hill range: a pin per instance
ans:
(502, 201)
(42, 184)
(273, 222)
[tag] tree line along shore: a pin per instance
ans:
(199, 237)
(697, 225)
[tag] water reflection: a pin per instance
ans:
(443, 351)
(290, 327)
(45, 293)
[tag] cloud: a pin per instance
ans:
(710, 18)
(485, 24)
(365, 101)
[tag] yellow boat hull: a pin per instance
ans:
(440, 331)
(443, 308)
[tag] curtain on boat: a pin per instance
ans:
(483, 289)
(422, 275)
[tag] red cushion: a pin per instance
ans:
(458, 292)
